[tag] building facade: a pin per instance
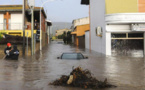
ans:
(79, 27)
(114, 20)
(11, 22)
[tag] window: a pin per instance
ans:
(127, 36)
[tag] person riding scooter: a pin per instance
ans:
(7, 51)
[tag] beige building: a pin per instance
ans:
(80, 21)
(60, 32)
(79, 27)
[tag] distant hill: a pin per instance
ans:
(60, 25)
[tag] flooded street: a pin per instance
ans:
(35, 73)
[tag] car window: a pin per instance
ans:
(72, 56)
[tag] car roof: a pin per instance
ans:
(72, 53)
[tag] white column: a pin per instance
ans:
(108, 43)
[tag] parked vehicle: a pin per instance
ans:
(72, 56)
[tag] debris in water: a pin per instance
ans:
(81, 78)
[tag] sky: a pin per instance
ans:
(58, 10)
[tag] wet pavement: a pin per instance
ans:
(35, 73)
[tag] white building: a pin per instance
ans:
(104, 26)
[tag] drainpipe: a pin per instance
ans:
(32, 29)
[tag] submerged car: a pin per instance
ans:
(72, 56)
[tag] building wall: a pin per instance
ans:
(43, 39)
(118, 28)
(87, 39)
(1, 21)
(49, 33)
(97, 18)
(122, 6)
(80, 32)
(98, 11)
(141, 5)
(16, 21)
(81, 40)
(81, 21)
(43, 23)
(44, 32)
(81, 29)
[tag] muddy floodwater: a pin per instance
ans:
(127, 72)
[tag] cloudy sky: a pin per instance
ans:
(58, 10)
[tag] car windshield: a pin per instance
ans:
(72, 56)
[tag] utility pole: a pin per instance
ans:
(24, 3)
(40, 31)
(32, 5)
(32, 29)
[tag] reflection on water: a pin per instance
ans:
(126, 70)
(34, 73)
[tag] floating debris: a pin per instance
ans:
(81, 78)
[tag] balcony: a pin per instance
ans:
(17, 26)
(11, 26)
(16, 29)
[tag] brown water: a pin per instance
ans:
(34, 73)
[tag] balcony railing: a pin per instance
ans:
(11, 26)
(17, 26)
